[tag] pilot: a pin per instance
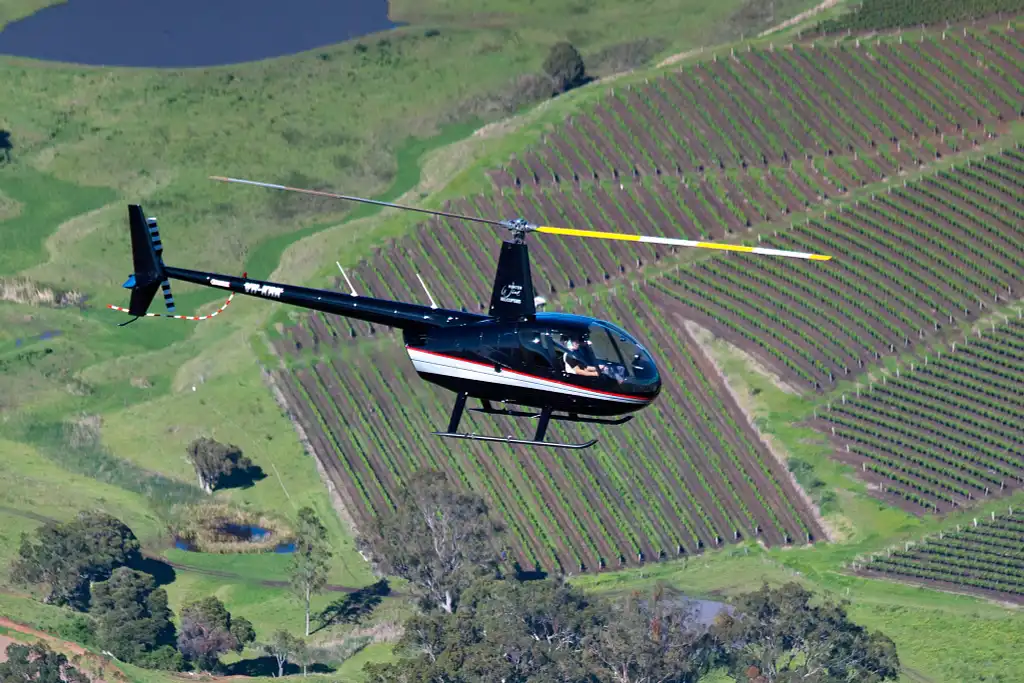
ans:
(573, 365)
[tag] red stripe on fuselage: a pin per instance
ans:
(523, 374)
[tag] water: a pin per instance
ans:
(244, 532)
(49, 334)
(707, 610)
(704, 611)
(188, 33)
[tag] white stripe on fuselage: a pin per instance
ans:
(437, 364)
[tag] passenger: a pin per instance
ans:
(573, 365)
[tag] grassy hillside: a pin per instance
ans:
(85, 142)
(686, 155)
(376, 116)
(881, 185)
(12, 10)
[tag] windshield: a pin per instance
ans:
(621, 355)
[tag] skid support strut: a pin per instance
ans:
(538, 439)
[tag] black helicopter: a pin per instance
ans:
(554, 362)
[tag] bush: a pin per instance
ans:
(166, 658)
(565, 67)
(79, 629)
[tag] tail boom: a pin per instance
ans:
(397, 314)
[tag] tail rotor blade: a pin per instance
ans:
(168, 297)
(158, 248)
(679, 243)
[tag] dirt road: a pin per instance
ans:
(793, 21)
(55, 643)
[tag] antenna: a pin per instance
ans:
(433, 304)
(345, 275)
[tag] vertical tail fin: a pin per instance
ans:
(512, 296)
(149, 273)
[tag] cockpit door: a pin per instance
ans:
(537, 357)
(501, 347)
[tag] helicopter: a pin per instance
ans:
(569, 367)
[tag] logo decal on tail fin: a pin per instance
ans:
(510, 294)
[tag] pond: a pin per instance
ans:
(243, 532)
(188, 33)
(704, 611)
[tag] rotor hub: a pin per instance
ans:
(519, 228)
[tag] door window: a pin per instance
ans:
(536, 350)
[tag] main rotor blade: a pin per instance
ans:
(679, 243)
(321, 193)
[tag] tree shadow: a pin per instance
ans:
(266, 666)
(241, 479)
(162, 573)
(535, 574)
(5, 146)
(353, 607)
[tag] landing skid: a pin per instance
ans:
(571, 417)
(509, 439)
(545, 416)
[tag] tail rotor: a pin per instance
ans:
(150, 274)
(158, 248)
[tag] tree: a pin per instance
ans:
(208, 631)
(438, 538)
(504, 630)
(776, 635)
(39, 664)
(132, 616)
(5, 146)
(214, 460)
(285, 647)
(564, 66)
(68, 556)
(650, 640)
(241, 628)
(311, 560)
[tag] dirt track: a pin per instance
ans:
(28, 630)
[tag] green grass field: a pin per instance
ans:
(87, 141)
(392, 116)
(12, 10)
